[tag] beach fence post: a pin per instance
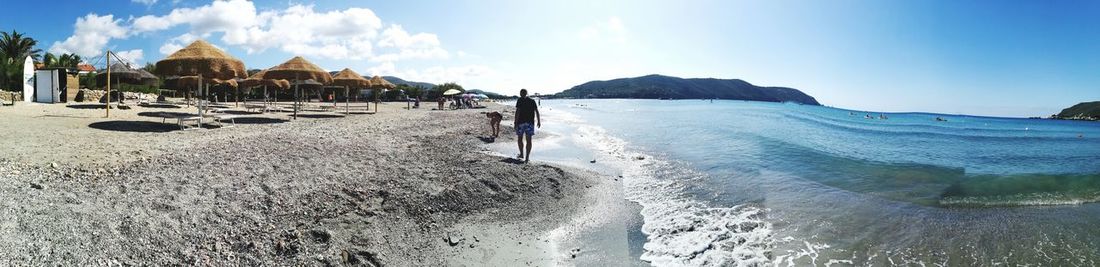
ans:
(202, 98)
(297, 96)
(108, 102)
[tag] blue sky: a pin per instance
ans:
(1001, 58)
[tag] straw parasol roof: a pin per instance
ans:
(310, 84)
(378, 82)
(201, 58)
(120, 73)
(298, 68)
(193, 81)
(349, 78)
(258, 80)
(148, 78)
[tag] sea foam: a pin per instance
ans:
(681, 231)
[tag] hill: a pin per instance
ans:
(1081, 111)
(399, 81)
(391, 79)
(487, 93)
(666, 87)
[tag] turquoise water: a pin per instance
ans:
(752, 183)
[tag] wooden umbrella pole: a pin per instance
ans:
(108, 84)
(347, 106)
(201, 97)
(297, 96)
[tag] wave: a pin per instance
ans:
(932, 185)
(1022, 190)
(681, 231)
(926, 131)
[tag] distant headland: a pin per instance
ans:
(1082, 111)
(667, 87)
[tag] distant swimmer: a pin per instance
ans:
(851, 113)
(868, 116)
(882, 116)
(940, 119)
(1081, 136)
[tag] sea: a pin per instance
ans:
(742, 183)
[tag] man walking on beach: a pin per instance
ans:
(526, 114)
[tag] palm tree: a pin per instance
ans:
(68, 61)
(17, 46)
(14, 48)
(50, 60)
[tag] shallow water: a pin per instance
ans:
(746, 183)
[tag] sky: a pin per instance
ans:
(997, 58)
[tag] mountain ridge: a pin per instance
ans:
(656, 86)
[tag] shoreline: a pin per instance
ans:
(382, 189)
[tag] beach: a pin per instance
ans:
(400, 187)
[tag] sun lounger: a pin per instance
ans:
(220, 118)
(254, 107)
(180, 119)
(217, 109)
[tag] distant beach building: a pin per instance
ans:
(83, 69)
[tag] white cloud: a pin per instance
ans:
(169, 48)
(177, 43)
(144, 2)
(384, 69)
(133, 57)
(342, 34)
(91, 34)
(223, 16)
(437, 75)
(612, 29)
(298, 29)
(415, 46)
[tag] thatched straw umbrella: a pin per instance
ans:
(120, 73)
(377, 82)
(193, 82)
(148, 78)
(204, 61)
(298, 69)
(349, 79)
(258, 80)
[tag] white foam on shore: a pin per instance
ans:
(682, 231)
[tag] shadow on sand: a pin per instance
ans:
(240, 112)
(487, 139)
(258, 120)
(95, 106)
(164, 114)
(512, 160)
(160, 106)
(134, 126)
(318, 116)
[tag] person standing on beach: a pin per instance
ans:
(527, 119)
(494, 123)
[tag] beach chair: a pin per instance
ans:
(182, 119)
(221, 118)
(254, 107)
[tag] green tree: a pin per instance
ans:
(49, 60)
(14, 49)
(88, 80)
(17, 46)
(150, 67)
(70, 61)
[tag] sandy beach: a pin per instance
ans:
(397, 188)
